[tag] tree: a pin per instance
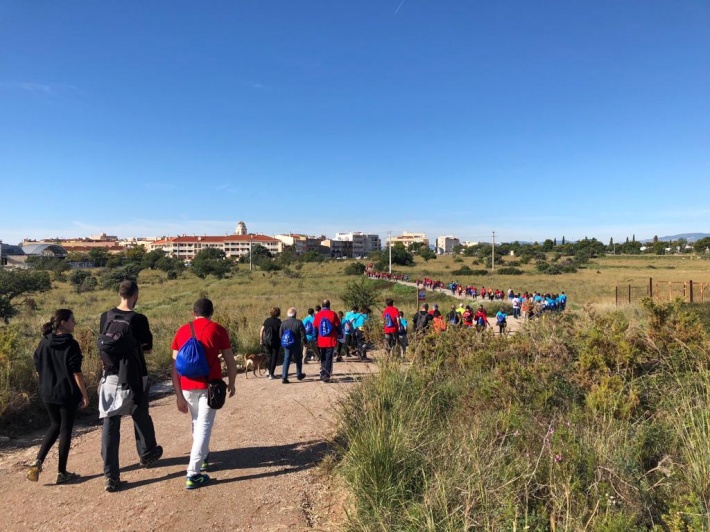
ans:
(258, 254)
(99, 257)
(14, 284)
(400, 256)
(151, 259)
(702, 245)
(210, 261)
(548, 245)
(427, 254)
(359, 293)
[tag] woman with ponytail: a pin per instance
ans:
(61, 387)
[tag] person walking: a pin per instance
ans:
(191, 392)
(402, 333)
(390, 315)
(310, 342)
(141, 343)
(293, 343)
(62, 389)
(270, 340)
(328, 325)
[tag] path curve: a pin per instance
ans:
(266, 443)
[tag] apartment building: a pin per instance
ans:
(301, 243)
(362, 243)
(186, 247)
(445, 244)
(407, 239)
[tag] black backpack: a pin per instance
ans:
(116, 342)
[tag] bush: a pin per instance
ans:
(354, 268)
(509, 271)
(360, 293)
(465, 270)
(572, 415)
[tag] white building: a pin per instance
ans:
(407, 239)
(186, 247)
(445, 244)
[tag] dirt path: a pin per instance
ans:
(265, 445)
(512, 324)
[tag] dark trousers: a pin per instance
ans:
(111, 437)
(61, 418)
(326, 362)
(297, 356)
(273, 353)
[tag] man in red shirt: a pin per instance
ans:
(191, 393)
(391, 319)
(481, 318)
(327, 323)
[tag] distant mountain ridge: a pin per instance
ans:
(690, 237)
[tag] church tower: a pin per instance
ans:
(241, 229)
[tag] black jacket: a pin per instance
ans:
(57, 359)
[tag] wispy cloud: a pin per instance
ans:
(51, 89)
(399, 7)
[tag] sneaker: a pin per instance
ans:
(196, 481)
(339, 359)
(205, 464)
(272, 378)
(301, 376)
(284, 381)
(35, 470)
(63, 478)
(112, 484)
(152, 457)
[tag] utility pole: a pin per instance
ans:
(389, 241)
(493, 253)
(250, 242)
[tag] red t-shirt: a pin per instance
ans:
(214, 338)
(393, 314)
(332, 339)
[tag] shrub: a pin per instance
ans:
(360, 293)
(595, 421)
(354, 268)
(509, 271)
(465, 270)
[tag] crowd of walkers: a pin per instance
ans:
(200, 346)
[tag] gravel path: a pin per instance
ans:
(265, 446)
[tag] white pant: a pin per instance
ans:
(202, 421)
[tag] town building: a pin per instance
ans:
(362, 243)
(445, 244)
(302, 243)
(407, 239)
(186, 247)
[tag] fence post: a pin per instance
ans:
(690, 284)
(616, 295)
(629, 294)
(650, 287)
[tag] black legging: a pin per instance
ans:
(61, 419)
(273, 353)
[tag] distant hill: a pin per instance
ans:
(690, 237)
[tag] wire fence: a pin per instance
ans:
(660, 291)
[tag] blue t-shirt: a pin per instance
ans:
(403, 323)
(358, 320)
(312, 336)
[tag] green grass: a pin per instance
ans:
(590, 422)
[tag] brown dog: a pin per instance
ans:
(256, 362)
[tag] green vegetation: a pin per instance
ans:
(597, 421)
(15, 284)
(461, 439)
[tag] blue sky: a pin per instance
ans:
(531, 119)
